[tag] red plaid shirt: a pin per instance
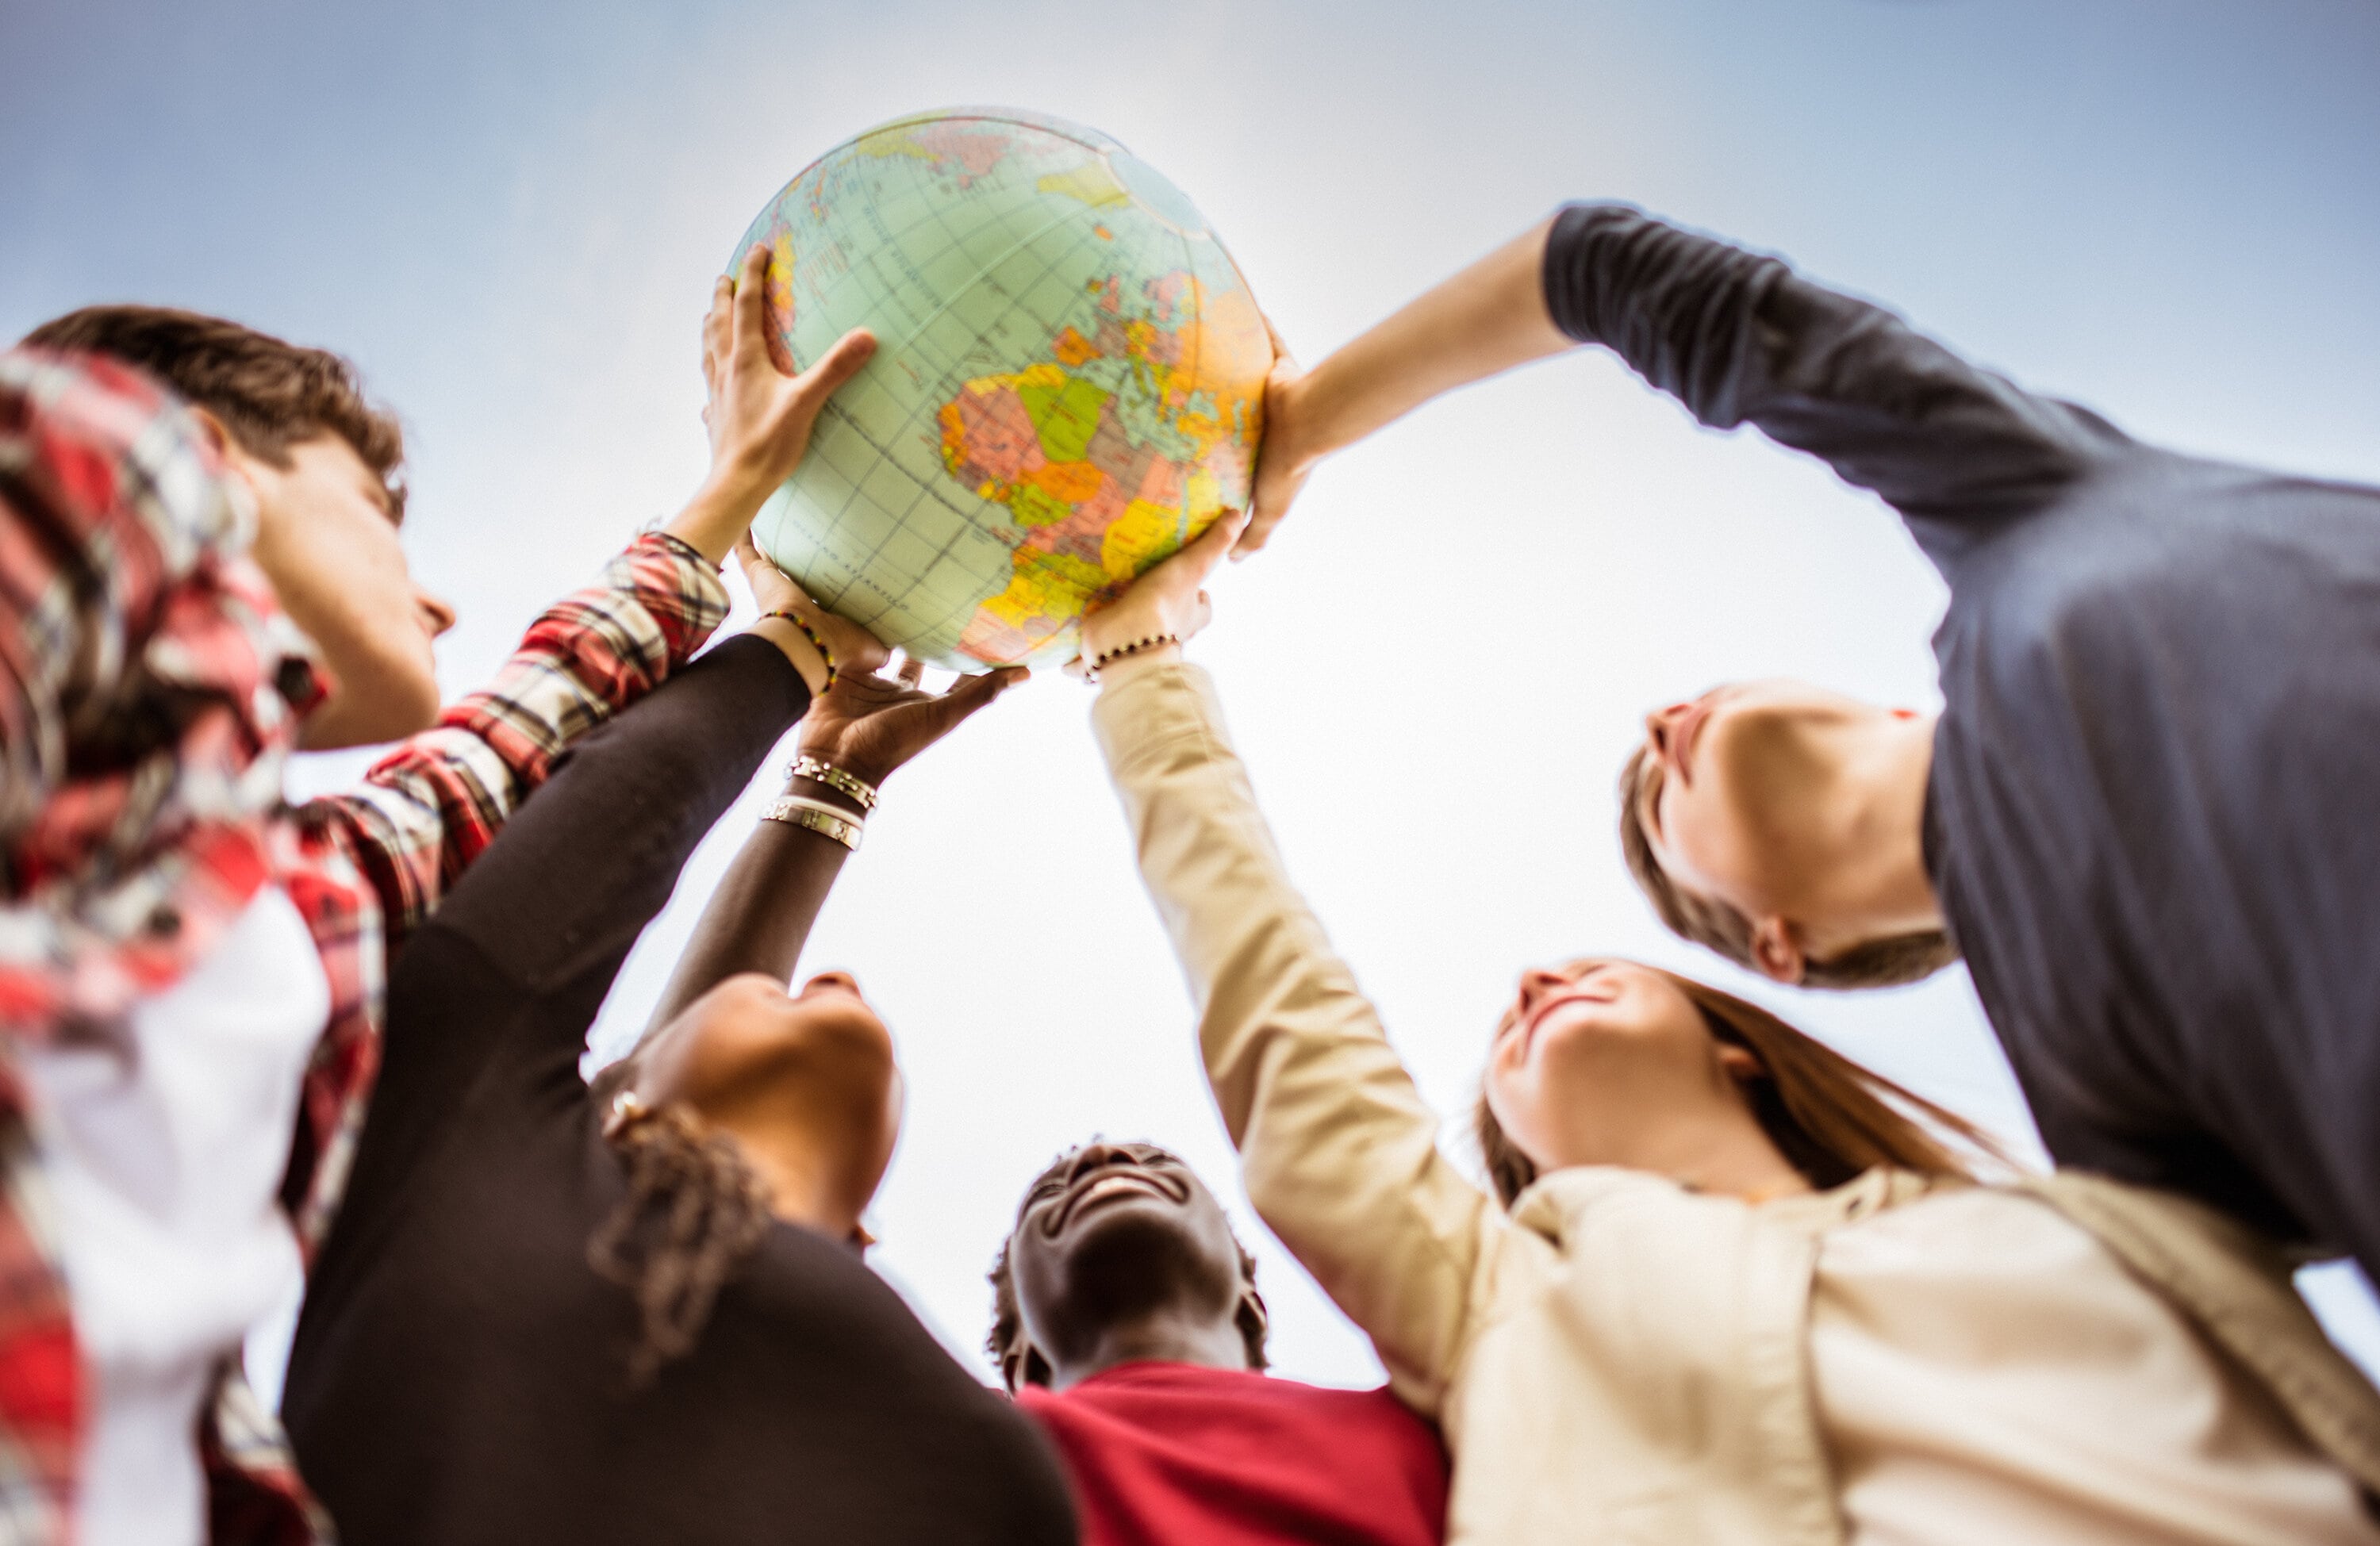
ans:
(153, 695)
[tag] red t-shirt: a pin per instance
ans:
(1174, 1454)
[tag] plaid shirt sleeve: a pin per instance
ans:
(433, 805)
(378, 859)
(146, 705)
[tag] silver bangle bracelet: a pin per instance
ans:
(807, 766)
(829, 821)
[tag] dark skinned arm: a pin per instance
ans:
(760, 915)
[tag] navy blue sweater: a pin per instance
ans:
(2154, 813)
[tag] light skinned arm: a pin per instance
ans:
(1479, 323)
(1339, 1151)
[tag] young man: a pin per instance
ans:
(188, 969)
(1127, 1324)
(2149, 812)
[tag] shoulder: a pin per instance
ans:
(89, 437)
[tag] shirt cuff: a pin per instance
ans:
(1157, 709)
(677, 584)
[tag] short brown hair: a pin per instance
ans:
(1021, 1364)
(1887, 962)
(269, 393)
(1830, 1117)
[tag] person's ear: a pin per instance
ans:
(1777, 950)
(1023, 1366)
(233, 456)
(1740, 1064)
(214, 431)
(1253, 1319)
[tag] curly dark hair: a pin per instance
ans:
(269, 393)
(1021, 1363)
(694, 1208)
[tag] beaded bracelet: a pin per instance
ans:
(810, 633)
(1152, 642)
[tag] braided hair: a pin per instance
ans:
(694, 1208)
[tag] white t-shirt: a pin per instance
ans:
(1987, 1374)
(162, 1159)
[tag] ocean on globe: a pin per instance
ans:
(1068, 385)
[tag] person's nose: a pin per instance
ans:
(437, 612)
(1093, 1156)
(843, 980)
(1537, 982)
(1659, 732)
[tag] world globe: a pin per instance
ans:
(1068, 384)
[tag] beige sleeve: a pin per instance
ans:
(1339, 1151)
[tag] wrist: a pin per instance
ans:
(1123, 668)
(1310, 420)
(1107, 632)
(720, 512)
(798, 650)
(826, 793)
(852, 783)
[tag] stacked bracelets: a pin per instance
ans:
(810, 633)
(1135, 648)
(844, 826)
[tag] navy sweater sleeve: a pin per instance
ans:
(1738, 337)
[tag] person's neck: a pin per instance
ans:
(1879, 886)
(1167, 1336)
(1728, 1156)
(794, 1176)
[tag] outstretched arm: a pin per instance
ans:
(761, 916)
(1339, 1151)
(1736, 336)
(1483, 321)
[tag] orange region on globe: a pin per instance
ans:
(1068, 482)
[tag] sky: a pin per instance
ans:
(509, 216)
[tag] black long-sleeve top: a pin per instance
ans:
(460, 1373)
(2153, 812)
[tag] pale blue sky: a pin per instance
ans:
(509, 216)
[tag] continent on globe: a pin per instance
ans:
(1068, 385)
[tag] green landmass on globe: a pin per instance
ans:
(1069, 382)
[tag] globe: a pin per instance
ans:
(1069, 381)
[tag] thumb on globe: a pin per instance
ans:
(1200, 558)
(837, 366)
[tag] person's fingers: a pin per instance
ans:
(1279, 350)
(1265, 511)
(971, 693)
(913, 670)
(835, 367)
(1199, 560)
(758, 565)
(750, 328)
(715, 323)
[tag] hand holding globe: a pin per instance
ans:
(1069, 385)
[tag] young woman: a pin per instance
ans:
(638, 1313)
(1736, 1291)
